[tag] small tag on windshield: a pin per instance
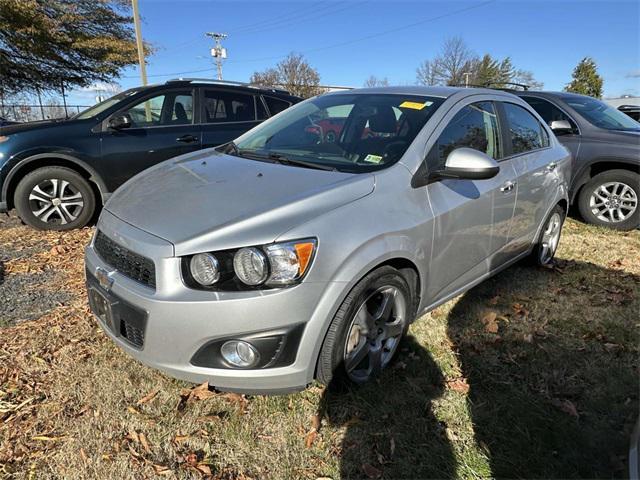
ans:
(373, 159)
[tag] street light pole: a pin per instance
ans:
(136, 22)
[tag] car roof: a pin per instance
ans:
(444, 92)
(225, 83)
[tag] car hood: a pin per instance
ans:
(211, 201)
(37, 125)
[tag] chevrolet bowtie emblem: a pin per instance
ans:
(104, 279)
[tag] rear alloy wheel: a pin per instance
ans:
(611, 199)
(54, 198)
(545, 249)
(367, 329)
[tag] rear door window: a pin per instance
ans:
(220, 107)
(525, 130)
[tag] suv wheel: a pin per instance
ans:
(366, 331)
(610, 199)
(54, 198)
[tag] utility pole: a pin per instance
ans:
(466, 79)
(219, 53)
(136, 22)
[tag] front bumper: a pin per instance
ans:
(179, 322)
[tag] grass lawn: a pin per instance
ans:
(534, 373)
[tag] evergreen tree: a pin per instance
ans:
(586, 79)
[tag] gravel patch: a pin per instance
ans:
(25, 296)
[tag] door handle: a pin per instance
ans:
(187, 139)
(507, 186)
(551, 167)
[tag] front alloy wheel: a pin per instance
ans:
(55, 200)
(610, 199)
(375, 333)
(613, 202)
(367, 329)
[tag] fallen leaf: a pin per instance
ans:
(490, 323)
(459, 385)
(204, 469)
(371, 471)
(180, 438)
(310, 437)
(83, 455)
(316, 422)
(567, 406)
(191, 459)
(148, 397)
(144, 442)
(161, 470)
(201, 392)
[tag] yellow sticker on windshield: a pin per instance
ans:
(413, 105)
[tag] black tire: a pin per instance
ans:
(70, 200)
(331, 361)
(544, 250)
(623, 177)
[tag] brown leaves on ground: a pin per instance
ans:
(567, 406)
(459, 385)
(371, 471)
(311, 435)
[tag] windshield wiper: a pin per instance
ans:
(278, 158)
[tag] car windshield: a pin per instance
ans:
(349, 132)
(104, 105)
(601, 114)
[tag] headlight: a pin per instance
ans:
(3, 138)
(274, 265)
(250, 266)
(205, 269)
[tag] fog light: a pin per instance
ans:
(239, 353)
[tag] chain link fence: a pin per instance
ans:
(30, 113)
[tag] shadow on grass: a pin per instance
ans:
(390, 426)
(553, 394)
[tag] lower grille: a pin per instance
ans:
(132, 334)
(130, 264)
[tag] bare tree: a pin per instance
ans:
(525, 77)
(293, 74)
(374, 81)
(454, 58)
(426, 74)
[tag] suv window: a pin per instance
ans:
(474, 126)
(276, 105)
(549, 112)
(526, 131)
(228, 107)
(173, 108)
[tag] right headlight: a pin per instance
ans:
(268, 266)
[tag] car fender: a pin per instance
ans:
(18, 162)
(583, 174)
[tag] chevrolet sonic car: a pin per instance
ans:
(281, 257)
(57, 173)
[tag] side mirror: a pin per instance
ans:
(469, 164)
(560, 126)
(119, 121)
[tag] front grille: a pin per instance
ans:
(130, 264)
(132, 334)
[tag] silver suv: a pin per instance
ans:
(304, 249)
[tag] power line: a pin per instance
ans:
(342, 44)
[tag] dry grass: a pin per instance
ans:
(547, 386)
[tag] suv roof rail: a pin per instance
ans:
(226, 82)
(494, 86)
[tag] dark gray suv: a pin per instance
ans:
(605, 145)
